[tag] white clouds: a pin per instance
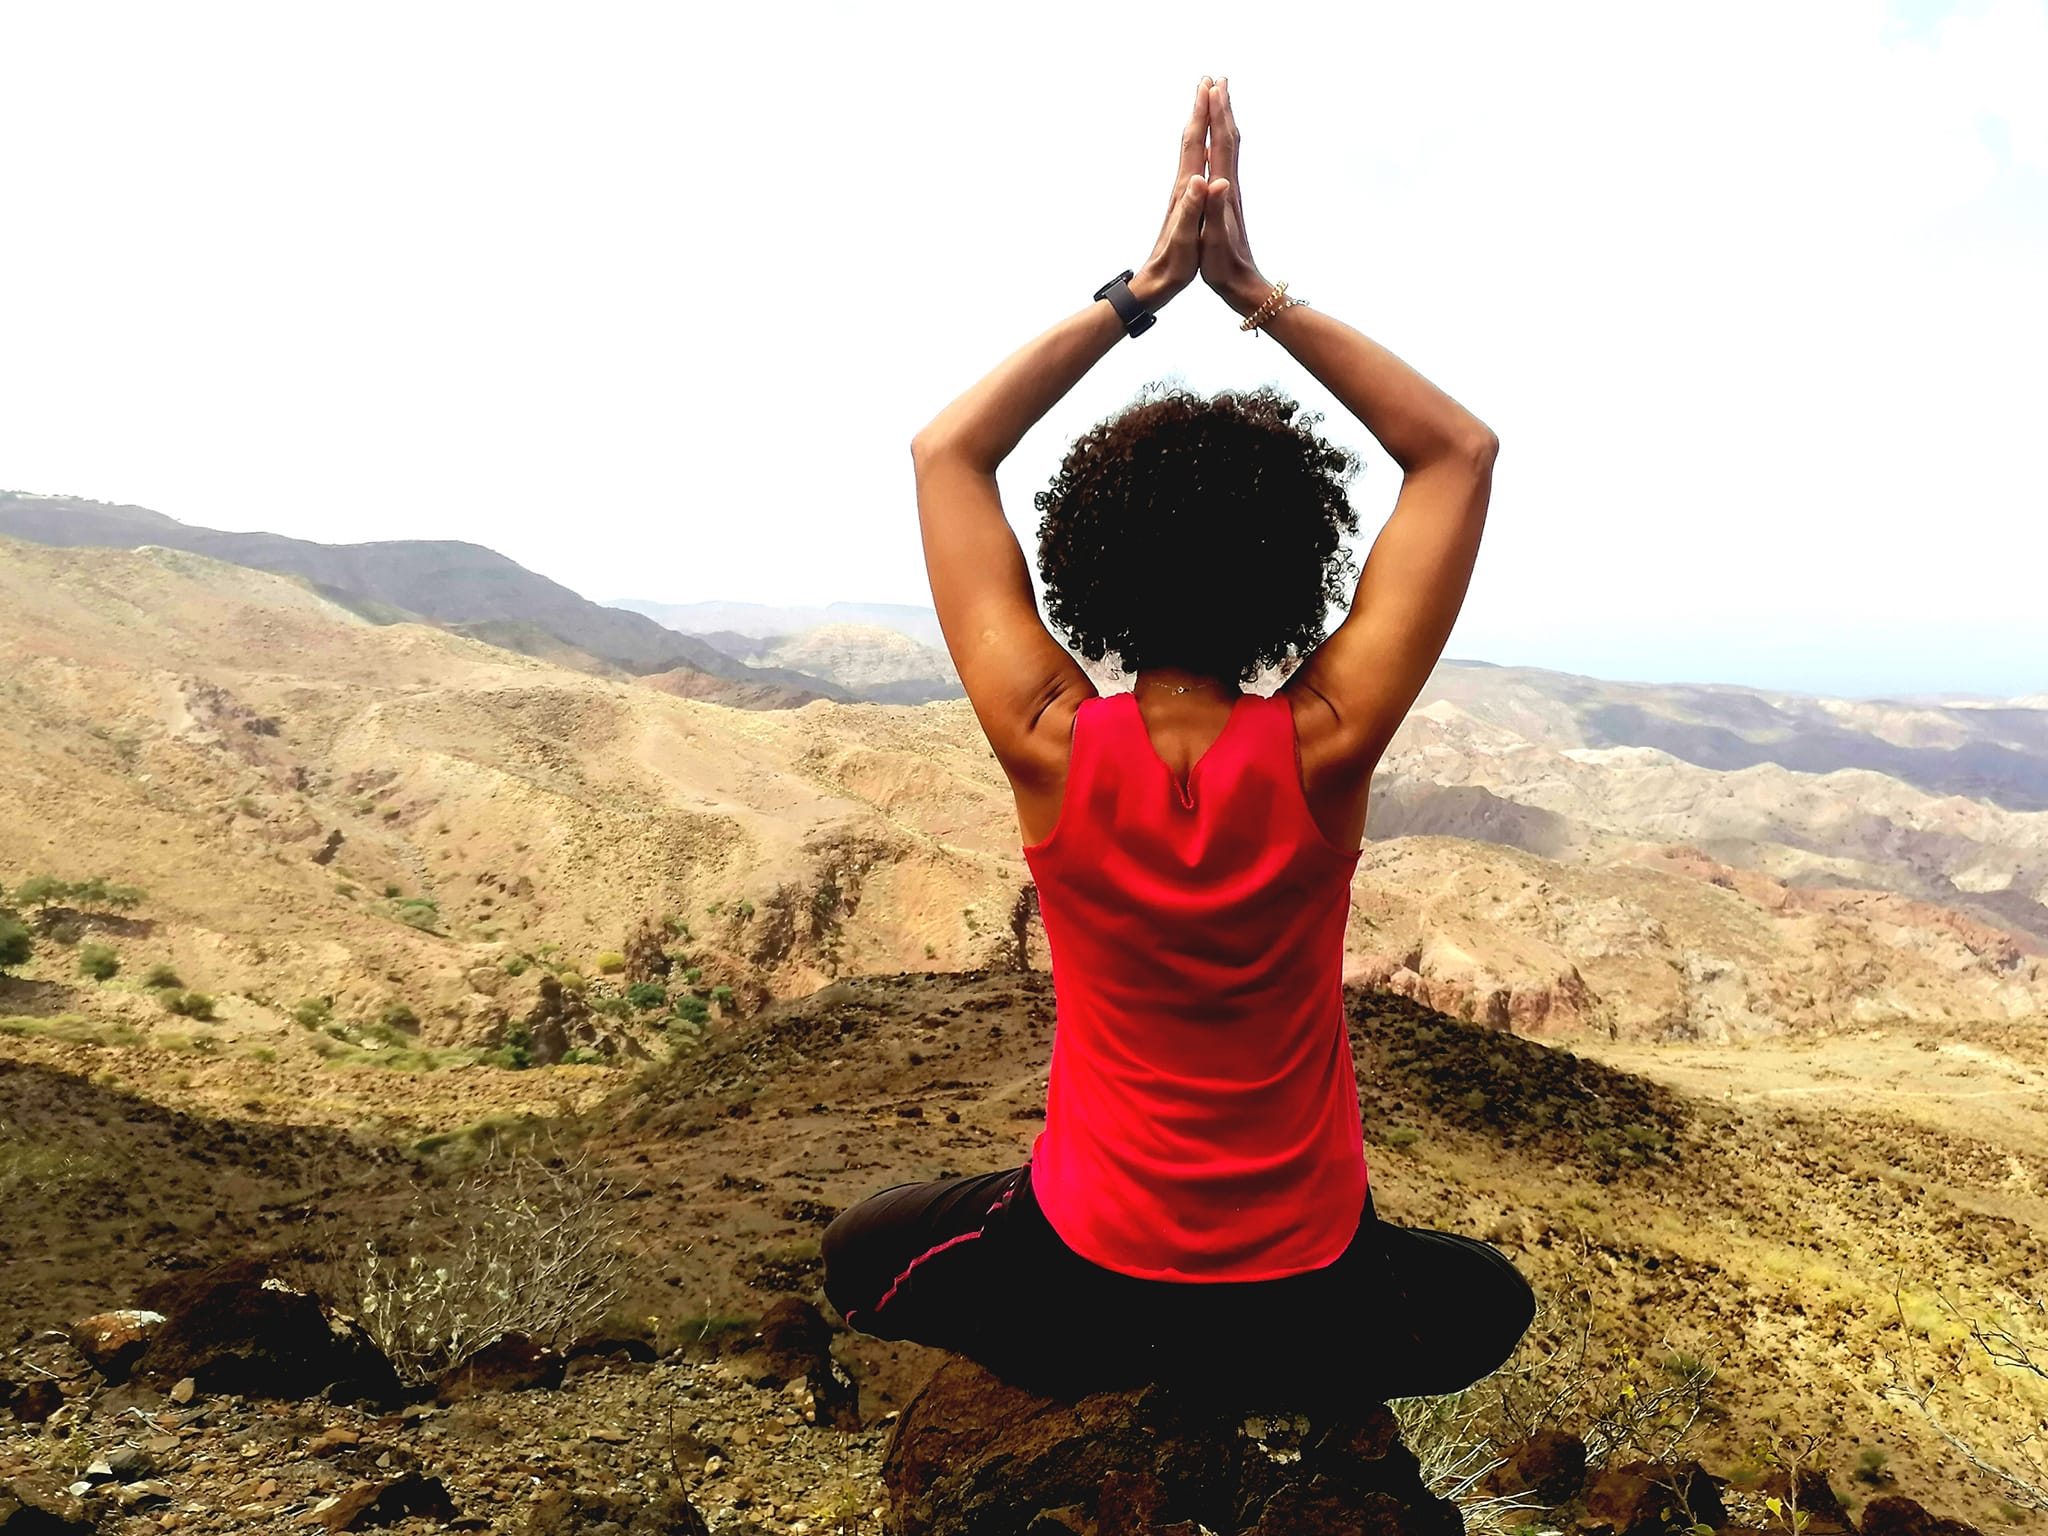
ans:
(652, 299)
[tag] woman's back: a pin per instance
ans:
(1202, 1112)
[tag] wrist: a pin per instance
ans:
(1247, 293)
(1150, 289)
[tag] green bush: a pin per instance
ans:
(397, 1016)
(1402, 1136)
(611, 962)
(722, 995)
(41, 891)
(187, 1005)
(421, 912)
(15, 944)
(514, 965)
(516, 1052)
(391, 893)
(161, 975)
(96, 894)
(691, 1008)
(313, 1012)
(647, 994)
(572, 981)
(98, 961)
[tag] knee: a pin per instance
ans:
(1514, 1311)
(842, 1283)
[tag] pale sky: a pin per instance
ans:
(652, 298)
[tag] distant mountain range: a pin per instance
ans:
(764, 656)
(462, 587)
(761, 621)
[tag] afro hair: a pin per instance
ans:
(1199, 533)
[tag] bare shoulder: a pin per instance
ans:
(1336, 767)
(1037, 764)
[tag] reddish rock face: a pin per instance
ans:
(1645, 1497)
(973, 1455)
(1896, 1516)
(512, 1362)
(233, 1329)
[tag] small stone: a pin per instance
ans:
(185, 1390)
(332, 1439)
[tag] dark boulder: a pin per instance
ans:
(39, 1504)
(511, 1362)
(113, 1341)
(236, 1329)
(585, 1512)
(31, 1401)
(1896, 1516)
(1645, 1497)
(974, 1455)
(796, 1344)
(1549, 1467)
(1820, 1507)
(388, 1502)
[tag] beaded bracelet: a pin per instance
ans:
(1273, 303)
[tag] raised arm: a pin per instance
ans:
(1014, 671)
(1373, 665)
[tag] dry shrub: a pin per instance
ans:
(1989, 1363)
(525, 1241)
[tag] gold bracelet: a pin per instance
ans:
(1270, 306)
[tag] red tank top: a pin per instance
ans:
(1201, 1118)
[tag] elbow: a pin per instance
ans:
(925, 446)
(1477, 448)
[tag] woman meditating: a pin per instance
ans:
(1196, 1206)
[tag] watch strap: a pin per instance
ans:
(1118, 291)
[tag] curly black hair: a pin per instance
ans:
(1198, 533)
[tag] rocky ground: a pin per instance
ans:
(1671, 1215)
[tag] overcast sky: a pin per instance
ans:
(652, 298)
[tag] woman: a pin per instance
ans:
(1196, 1206)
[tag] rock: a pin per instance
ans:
(1550, 1467)
(974, 1455)
(113, 1340)
(580, 1512)
(1820, 1509)
(184, 1390)
(34, 1401)
(38, 1504)
(512, 1362)
(1893, 1515)
(144, 1494)
(130, 1463)
(331, 1439)
(797, 1343)
(234, 1329)
(1645, 1497)
(388, 1502)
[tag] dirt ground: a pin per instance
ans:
(1789, 1212)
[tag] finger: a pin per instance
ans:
(1224, 137)
(1187, 212)
(1194, 138)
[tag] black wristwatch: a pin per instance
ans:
(1118, 291)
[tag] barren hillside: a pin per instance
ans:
(384, 814)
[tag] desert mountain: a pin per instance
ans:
(871, 661)
(758, 621)
(464, 587)
(381, 813)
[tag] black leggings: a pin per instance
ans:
(970, 1264)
